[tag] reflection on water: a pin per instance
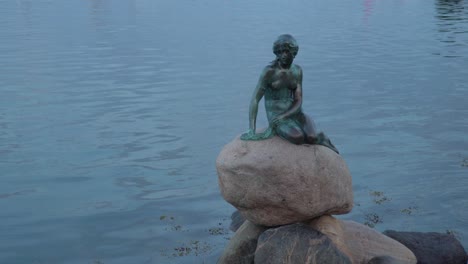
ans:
(451, 10)
(368, 8)
(112, 114)
(453, 26)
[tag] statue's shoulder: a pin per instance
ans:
(268, 71)
(268, 68)
(296, 69)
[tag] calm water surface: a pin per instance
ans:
(112, 114)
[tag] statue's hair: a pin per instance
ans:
(285, 40)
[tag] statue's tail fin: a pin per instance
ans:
(323, 140)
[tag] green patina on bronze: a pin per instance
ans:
(281, 85)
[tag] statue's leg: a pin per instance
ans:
(309, 129)
(291, 132)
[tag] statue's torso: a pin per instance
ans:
(279, 90)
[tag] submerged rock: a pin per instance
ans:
(237, 219)
(432, 248)
(273, 182)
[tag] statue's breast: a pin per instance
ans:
(283, 80)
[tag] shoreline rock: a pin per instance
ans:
(321, 240)
(432, 247)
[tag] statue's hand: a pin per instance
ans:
(275, 121)
(249, 135)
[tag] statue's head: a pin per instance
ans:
(285, 41)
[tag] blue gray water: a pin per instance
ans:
(112, 114)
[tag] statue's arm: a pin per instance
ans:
(256, 97)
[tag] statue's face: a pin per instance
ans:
(285, 56)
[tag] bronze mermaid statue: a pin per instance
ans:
(281, 85)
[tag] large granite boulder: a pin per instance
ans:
(432, 247)
(361, 243)
(297, 243)
(273, 182)
(241, 247)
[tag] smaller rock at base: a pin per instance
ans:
(361, 243)
(241, 247)
(297, 243)
(432, 247)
